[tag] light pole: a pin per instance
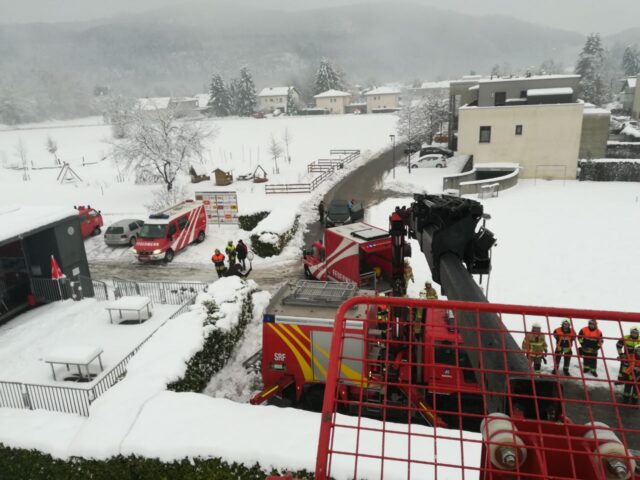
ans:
(393, 140)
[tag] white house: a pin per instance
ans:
(272, 98)
(334, 101)
(382, 98)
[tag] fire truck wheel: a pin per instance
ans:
(201, 236)
(97, 231)
(312, 398)
(168, 256)
(307, 273)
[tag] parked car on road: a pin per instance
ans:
(436, 151)
(124, 232)
(429, 161)
(90, 220)
(340, 214)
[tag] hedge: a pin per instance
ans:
(616, 171)
(263, 249)
(249, 222)
(21, 464)
(218, 347)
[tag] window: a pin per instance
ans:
(500, 98)
(133, 226)
(172, 230)
(518, 129)
(485, 134)
(183, 222)
(523, 94)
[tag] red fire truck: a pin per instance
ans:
(170, 231)
(90, 220)
(351, 253)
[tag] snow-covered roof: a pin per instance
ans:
(274, 92)
(537, 92)
(199, 169)
(203, 99)
(154, 103)
(436, 85)
(16, 221)
(383, 91)
(596, 111)
(533, 77)
(332, 93)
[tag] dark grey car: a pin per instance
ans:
(124, 232)
(339, 213)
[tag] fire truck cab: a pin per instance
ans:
(90, 221)
(358, 253)
(170, 231)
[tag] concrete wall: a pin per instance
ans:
(333, 104)
(550, 137)
(595, 133)
(514, 87)
(623, 150)
(271, 103)
(385, 101)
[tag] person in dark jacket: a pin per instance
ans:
(590, 339)
(235, 270)
(564, 335)
(242, 251)
(321, 212)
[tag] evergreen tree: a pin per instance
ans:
(327, 78)
(631, 61)
(219, 99)
(244, 93)
(590, 67)
(292, 104)
(233, 89)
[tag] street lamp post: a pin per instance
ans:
(393, 140)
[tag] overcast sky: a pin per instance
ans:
(606, 16)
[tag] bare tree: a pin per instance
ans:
(420, 120)
(275, 150)
(287, 138)
(52, 148)
(158, 142)
(21, 151)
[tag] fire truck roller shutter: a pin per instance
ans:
(351, 368)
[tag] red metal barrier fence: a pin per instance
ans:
(438, 389)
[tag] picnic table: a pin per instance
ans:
(77, 356)
(130, 304)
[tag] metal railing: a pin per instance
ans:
(172, 293)
(47, 290)
(75, 400)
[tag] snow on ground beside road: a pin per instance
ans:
(28, 339)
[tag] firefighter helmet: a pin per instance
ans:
(536, 325)
(217, 250)
(634, 330)
(566, 323)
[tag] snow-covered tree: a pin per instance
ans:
(495, 71)
(52, 148)
(118, 110)
(21, 151)
(160, 143)
(287, 138)
(550, 67)
(590, 67)
(631, 60)
(244, 93)
(292, 103)
(419, 122)
(327, 78)
(275, 150)
(219, 98)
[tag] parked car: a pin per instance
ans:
(257, 115)
(340, 214)
(441, 137)
(436, 151)
(429, 161)
(124, 232)
(90, 220)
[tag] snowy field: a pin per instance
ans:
(28, 339)
(241, 144)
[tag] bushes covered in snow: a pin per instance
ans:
(609, 170)
(249, 222)
(266, 242)
(224, 326)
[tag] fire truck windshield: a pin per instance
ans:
(153, 230)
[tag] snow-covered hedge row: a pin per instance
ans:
(19, 464)
(251, 221)
(227, 318)
(269, 243)
(609, 170)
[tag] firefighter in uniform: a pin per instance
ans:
(590, 339)
(231, 252)
(408, 272)
(564, 335)
(383, 314)
(218, 260)
(535, 346)
(626, 346)
(429, 292)
(631, 377)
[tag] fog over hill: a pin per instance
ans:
(173, 50)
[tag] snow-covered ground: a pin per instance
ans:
(27, 340)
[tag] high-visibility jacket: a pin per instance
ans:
(590, 340)
(383, 313)
(429, 293)
(408, 273)
(230, 251)
(564, 340)
(218, 261)
(627, 345)
(534, 344)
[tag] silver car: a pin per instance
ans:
(124, 232)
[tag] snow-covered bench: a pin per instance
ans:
(130, 304)
(74, 355)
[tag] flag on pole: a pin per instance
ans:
(56, 272)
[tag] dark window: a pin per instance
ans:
(518, 129)
(500, 98)
(485, 134)
(523, 94)
(133, 226)
(140, 223)
(183, 222)
(115, 231)
(172, 230)
(153, 230)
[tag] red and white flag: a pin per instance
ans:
(56, 273)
